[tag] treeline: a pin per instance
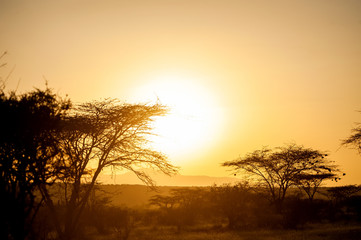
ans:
(240, 207)
(246, 207)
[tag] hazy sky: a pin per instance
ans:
(239, 74)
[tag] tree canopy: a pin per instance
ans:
(29, 130)
(99, 135)
(46, 140)
(283, 167)
(355, 139)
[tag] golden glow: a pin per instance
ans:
(193, 121)
(280, 71)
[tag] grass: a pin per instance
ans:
(314, 232)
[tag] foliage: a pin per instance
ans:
(96, 136)
(355, 139)
(107, 218)
(279, 169)
(236, 203)
(29, 129)
(343, 192)
(310, 182)
(180, 208)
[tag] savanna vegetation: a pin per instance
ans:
(52, 152)
(46, 143)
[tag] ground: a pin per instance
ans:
(312, 232)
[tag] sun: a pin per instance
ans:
(193, 121)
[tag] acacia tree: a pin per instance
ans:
(96, 136)
(282, 168)
(310, 182)
(29, 127)
(355, 139)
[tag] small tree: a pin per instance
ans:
(96, 136)
(310, 182)
(282, 168)
(181, 207)
(235, 202)
(163, 202)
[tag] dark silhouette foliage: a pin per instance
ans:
(341, 193)
(355, 139)
(182, 207)
(29, 130)
(279, 169)
(99, 135)
(310, 182)
(44, 141)
(237, 203)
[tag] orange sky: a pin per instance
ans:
(241, 74)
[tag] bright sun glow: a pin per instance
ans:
(193, 120)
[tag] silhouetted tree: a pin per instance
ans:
(235, 203)
(98, 135)
(343, 192)
(181, 207)
(190, 202)
(310, 182)
(105, 217)
(282, 168)
(163, 201)
(355, 139)
(345, 202)
(29, 129)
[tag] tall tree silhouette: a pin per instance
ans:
(99, 135)
(29, 127)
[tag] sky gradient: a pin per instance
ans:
(240, 74)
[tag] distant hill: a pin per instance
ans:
(137, 196)
(128, 191)
(132, 196)
(164, 180)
